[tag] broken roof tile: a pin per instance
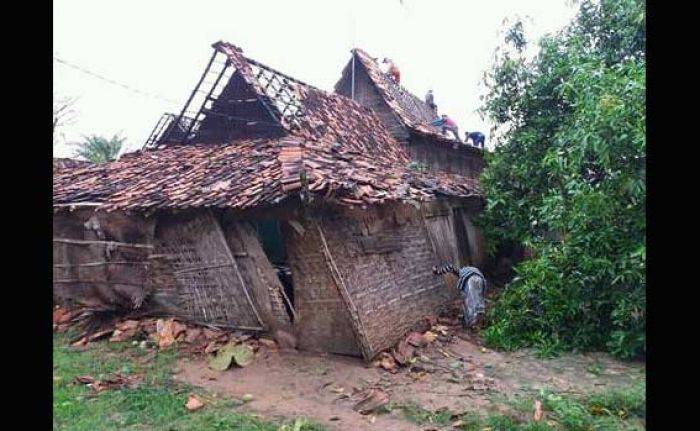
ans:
(337, 140)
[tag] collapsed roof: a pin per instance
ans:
(259, 137)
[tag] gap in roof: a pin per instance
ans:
(163, 46)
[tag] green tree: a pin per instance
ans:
(567, 180)
(99, 149)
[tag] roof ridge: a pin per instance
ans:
(385, 85)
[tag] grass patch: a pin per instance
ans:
(418, 415)
(157, 404)
(595, 368)
(610, 410)
(605, 411)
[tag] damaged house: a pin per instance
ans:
(268, 204)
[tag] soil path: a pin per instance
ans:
(460, 376)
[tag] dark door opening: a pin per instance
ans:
(270, 234)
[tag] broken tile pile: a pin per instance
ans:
(337, 150)
(421, 352)
(111, 381)
(163, 333)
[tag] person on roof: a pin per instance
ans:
(477, 138)
(392, 70)
(446, 123)
(430, 101)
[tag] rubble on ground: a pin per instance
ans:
(226, 347)
(423, 351)
(113, 381)
(193, 403)
(371, 400)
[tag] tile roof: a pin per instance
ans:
(250, 173)
(334, 148)
(412, 111)
(65, 162)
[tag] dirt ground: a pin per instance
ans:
(461, 376)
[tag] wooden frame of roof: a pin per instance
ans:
(328, 145)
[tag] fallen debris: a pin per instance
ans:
(387, 362)
(115, 381)
(193, 403)
(416, 339)
(192, 335)
(240, 354)
(406, 352)
(539, 414)
(372, 399)
(479, 382)
(271, 344)
(125, 331)
(165, 335)
(429, 337)
(221, 361)
(243, 355)
(403, 352)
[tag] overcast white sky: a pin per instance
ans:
(161, 47)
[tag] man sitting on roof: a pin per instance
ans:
(430, 101)
(392, 70)
(446, 123)
(477, 138)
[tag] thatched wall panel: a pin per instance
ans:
(210, 282)
(94, 263)
(475, 239)
(257, 272)
(443, 158)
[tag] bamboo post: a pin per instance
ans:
(357, 326)
(235, 267)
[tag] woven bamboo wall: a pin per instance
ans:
(470, 236)
(324, 321)
(392, 285)
(211, 287)
(384, 258)
(444, 158)
(101, 261)
(258, 273)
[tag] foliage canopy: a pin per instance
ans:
(99, 149)
(567, 180)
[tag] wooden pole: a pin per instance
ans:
(235, 267)
(357, 326)
(107, 243)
